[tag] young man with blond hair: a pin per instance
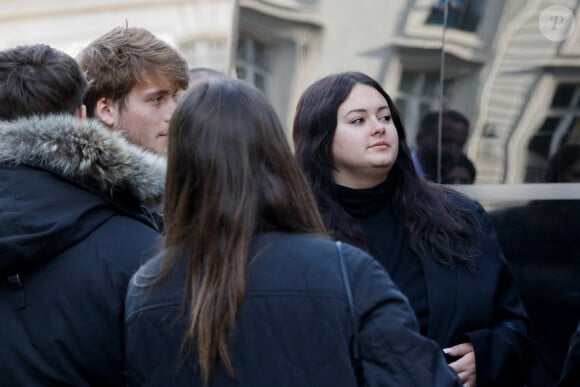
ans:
(134, 78)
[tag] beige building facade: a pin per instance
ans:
(500, 69)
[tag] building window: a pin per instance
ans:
(418, 93)
(561, 127)
(462, 14)
(252, 62)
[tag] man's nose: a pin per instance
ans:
(170, 108)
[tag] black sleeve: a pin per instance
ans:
(571, 374)
(393, 351)
(503, 352)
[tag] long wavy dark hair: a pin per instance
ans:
(432, 218)
(230, 174)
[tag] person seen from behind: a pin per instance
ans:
(248, 290)
(73, 228)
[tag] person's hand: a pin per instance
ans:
(465, 365)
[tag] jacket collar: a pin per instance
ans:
(85, 152)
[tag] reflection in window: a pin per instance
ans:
(560, 128)
(252, 62)
(462, 14)
(564, 95)
(540, 241)
(418, 93)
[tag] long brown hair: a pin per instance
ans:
(231, 173)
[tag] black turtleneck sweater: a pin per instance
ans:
(387, 242)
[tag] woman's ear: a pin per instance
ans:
(105, 111)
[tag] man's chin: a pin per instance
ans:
(159, 146)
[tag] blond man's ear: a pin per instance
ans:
(105, 111)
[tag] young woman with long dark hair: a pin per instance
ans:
(438, 246)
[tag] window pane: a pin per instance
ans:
(260, 82)
(259, 55)
(401, 107)
(408, 82)
(462, 14)
(539, 239)
(563, 96)
(540, 143)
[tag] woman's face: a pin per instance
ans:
(365, 144)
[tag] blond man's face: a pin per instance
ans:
(145, 115)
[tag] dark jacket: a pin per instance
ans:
(571, 373)
(477, 302)
(73, 230)
(540, 241)
(293, 327)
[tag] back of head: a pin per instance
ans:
(199, 75)
(430, 121)
(229, 153)
(230, 174)
(124, 57)
(38, 80)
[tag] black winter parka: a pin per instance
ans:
(73, 229)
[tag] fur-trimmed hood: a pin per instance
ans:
(84, 151)
(61, 178)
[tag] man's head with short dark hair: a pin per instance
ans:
(133, 78)
(455, 129)
(38, 80)
(463, 172)
(199, 75)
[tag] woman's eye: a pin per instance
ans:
(386, 118)
(357, 121)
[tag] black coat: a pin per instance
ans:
(478, 303)
(571, 373)
(72, 232)
(293, 327)
(540, 240)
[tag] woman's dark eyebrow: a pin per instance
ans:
(360, 110)
(355, 111)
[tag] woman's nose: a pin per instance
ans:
(378, 126)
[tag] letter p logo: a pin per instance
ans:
(557, 23)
